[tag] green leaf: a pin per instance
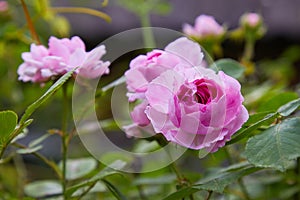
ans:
(289, 108)
(276, 101)
(114, 190)
(38, 140)
(181, 193)
(144, 146)
(255, 118)
(275, 147)
(229, 67)
(108, 171)
(43, 188)
(98, 187)
(216, 182)
(29, 150)
(56, 86)
(8, 123)
(77, 168)
(246, 132)
(221, 180)
(165, 179)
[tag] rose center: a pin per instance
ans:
(203, 94)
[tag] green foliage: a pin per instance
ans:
(250, 127)
(108, 171)
(165, 179)
(276, 146)
(289, 108)
(43, 188)
(269, 139)
(216, 182)
(181, 193)
(229, 66)
(8, 123)
(56, 86)
(77, 168)
(221, 180)
(274, 102)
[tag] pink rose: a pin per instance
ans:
(3, 6)
(191, 106)
(200, 111)
(251, 19)
(144, 68)
(141, 126)
(63, 55)
(205, 25)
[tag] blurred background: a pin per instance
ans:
(282, 18)
(277, 53)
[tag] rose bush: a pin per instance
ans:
(189, 104)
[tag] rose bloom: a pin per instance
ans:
(3, 6)
(42, 64)
(205, 26)
(190, 106)
(200, 111)
(145, 68)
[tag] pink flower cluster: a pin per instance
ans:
(205, 25)
(188, 104)
(42, 64)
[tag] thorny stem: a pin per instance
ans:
(51, 164)
(64, 138)
(21, 171)
(182, 180)
(141, 192)
(175, 169)
(297, 172)
(30, 24)
(249, 49)
(86, 191)
(240, 181)
(209, 195)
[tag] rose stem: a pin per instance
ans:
(30, 24)
(64, 138)
(240, 181)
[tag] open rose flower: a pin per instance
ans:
(199, 111)
(144, 68)
(205, 26)
(42, 64)
(191, 106)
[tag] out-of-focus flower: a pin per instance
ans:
(3, 6)
(42, 64)
(251, 19)
(193, 107)
(144, 68)
(205, 26)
